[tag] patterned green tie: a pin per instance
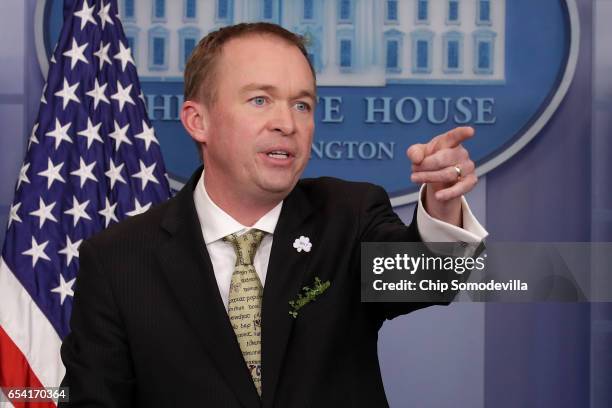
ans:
(244, 304)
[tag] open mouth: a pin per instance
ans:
(279, 154)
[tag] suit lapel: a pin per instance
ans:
(286, 272)
(187, 268)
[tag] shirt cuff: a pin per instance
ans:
(434, 230)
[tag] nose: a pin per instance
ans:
(283, 120)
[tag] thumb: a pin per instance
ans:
(416, 153)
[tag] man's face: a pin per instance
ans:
(261, 123)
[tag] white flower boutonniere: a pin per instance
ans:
(302, 244)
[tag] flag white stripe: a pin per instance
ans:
(8, 403)
(29, 329)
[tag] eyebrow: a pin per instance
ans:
(272, 89)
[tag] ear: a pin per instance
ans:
(194, 116)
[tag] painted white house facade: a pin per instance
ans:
(351, 42)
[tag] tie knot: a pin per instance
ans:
(245, 245)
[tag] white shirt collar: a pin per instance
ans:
(217, 224)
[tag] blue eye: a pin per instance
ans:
(302, 107)
(258, 101)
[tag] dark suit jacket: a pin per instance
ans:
(149, 328)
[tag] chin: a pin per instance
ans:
(276, 181)
(279, 187)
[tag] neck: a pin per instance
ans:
(245, 209)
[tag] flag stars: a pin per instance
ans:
(44, 212)
(71, 250)
(85, 172)
(67, 93)
(146, 174)
(81, 58)
(76, 53)
(37, 251)
(78, 211)
(123, 95)
(147, 135)
(86, 15)
(13, 216)
(124, 55)
(98, 93)
(114, 174)
(138, 209)
(60, 133)
(64, 289)
(102, 54)
(108, 212)
(104, 15)
(52, 173)
(23, 176)
(43, 99)
(91, 133)
(33, 139)
(120, 135)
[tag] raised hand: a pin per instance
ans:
(445, 166)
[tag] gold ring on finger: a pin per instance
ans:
(458, 171)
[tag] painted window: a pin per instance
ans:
(188, 39)
(483, 15)
(422, 10)
(421, 51)
(484, 55)
(158, 48)
(422, 54)
(392, 54)
(392, 10)
(222, 10)
(129, 12)
(159, 52)
(453, 50)
(225, 10)
(453, 11)
(345, 12)
(190, 9)
(268, 11)
(308, 9)
(393, 46)
(159, 9)
(452, 54)
(345, 53)
(188, 46)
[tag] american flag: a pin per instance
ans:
(92, 160)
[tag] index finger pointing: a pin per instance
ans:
(454, 137)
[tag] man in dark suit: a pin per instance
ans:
(189, 303)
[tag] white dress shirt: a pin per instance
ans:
(217, 224)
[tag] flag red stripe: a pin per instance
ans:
(16, 372)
